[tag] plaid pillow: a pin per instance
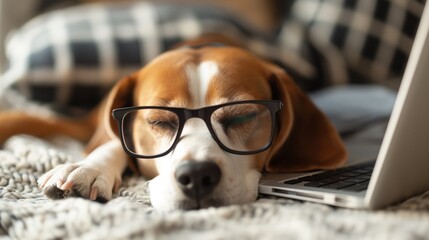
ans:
(352, 41)
(72, 57)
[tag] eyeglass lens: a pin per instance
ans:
(149, 131)
(243, 127)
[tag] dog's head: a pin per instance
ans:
(198, 171)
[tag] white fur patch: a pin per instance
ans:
(199, 80)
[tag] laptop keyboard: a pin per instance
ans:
(353, 179)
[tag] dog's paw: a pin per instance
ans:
(79, 180)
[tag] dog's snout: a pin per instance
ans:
(197, 179)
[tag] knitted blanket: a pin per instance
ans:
(25, 213)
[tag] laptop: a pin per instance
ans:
(401, 167)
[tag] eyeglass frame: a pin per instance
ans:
(205, 114)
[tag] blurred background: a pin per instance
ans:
(69, 53)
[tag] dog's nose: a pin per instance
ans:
(197, 179)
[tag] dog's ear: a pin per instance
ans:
(121, 95)
(305, 138)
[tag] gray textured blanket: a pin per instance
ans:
(26, 214)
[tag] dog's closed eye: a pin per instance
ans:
(159, 121)
(163, 125)
(242, 121)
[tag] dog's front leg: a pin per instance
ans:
(95, 178)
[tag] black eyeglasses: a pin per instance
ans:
(244, 127)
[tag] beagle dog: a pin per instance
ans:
(202, 121)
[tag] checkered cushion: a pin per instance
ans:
(72, 57)
(352, 41)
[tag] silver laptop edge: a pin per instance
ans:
(402, 165)
(405, 141)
